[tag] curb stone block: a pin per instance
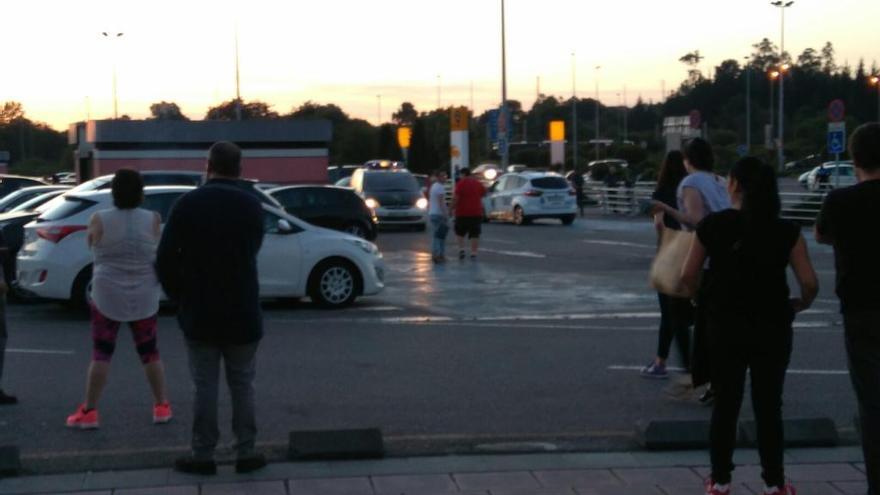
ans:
(804, 432)
(673, 435)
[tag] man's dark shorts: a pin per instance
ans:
(468, 227)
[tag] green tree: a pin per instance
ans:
(166, 111)
(249, 111)
(405, 115)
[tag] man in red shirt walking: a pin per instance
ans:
(467, 204)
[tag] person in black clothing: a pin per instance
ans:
(5, 399)
(676, 313)
(749, 315)
(576, 179)
(207, 264)
(850, 221)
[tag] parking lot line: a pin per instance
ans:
(619, 243)
(56, 352)
(790, 371)
(521, 254)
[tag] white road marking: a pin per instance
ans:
(41, 351)
(620, 243)
(381, 308)
(521, 254)
(790, 371)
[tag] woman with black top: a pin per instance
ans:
(749, 315)
(676, 313)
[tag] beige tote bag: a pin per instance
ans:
(667, 266)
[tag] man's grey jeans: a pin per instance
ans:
(240, 365)
(863, 350)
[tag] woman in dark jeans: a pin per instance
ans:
(676, 313)
(749, 315)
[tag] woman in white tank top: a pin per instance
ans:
(125, 289)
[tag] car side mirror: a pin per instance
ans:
(284, 227)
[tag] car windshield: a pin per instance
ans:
(550, 183)
(390, 181)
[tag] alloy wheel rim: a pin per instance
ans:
(337, 284)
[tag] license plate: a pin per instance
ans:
(398, 214)
(554, 199)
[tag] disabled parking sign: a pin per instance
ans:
(836, 137)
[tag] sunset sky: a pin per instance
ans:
(57, 64)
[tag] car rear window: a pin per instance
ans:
(68, 207)
(550, 183)
(390, 181)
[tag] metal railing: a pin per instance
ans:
(630, 200)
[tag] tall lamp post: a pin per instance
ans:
(748, 104)
(505, 158)
(114, 36)
(782, 5)
(875, 81)
(574, 116)
(378, 110)
(772, 76)
(598, 68)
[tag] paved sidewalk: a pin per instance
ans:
(814, 471)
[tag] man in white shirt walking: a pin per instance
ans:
(439, 216)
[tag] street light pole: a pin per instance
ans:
(598, 68)
(574, 116)
(748, 104)
(439, 92)
(378, 110)
(237, 79)
(875, 80)
(773, 75)
(505, 158)
(782, 4)
(115, 99)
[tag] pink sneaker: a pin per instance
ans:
(162, 413)
(713, 488)
(82, 419)
(787, 489)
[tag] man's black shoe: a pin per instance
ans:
(250, 464)
(7, 400)
(192, 465)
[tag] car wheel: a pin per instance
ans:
(567, 219)
(355, 229)
(81, 291)
(519, 216)
(334, 283)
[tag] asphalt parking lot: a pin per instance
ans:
(534, 345)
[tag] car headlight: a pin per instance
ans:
(422, 203)
(366, 246)
(490, 174)
(372, 203)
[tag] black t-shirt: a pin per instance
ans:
(747, 269)
(850, 218)
(668, 197)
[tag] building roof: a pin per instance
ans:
(208, 131)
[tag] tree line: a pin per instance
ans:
(813, 78)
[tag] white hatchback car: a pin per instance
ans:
(842, 174)
(526, 196)
(296, 260)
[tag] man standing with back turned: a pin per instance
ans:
(467, 202)
(207, 263)
(850, 221)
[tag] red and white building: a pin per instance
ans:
(276, 151)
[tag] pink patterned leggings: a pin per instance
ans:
(104, 331)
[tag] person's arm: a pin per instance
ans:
(157, 225)
(823, 230)
(693, 205)
(168, 255)
(95, 230)
(805, 275)
(659, 225)
(693, 267)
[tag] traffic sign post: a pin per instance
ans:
(837, 145)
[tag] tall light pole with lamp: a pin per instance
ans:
(772, 76)
(748, 104)
(598, 68)
(114, 36)
(875, 81)
(782, 5)
(505, 157)
(574, 116)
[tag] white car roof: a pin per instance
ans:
(99, 195)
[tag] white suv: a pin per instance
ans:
(526, 196)
(296, 259)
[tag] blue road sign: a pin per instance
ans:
(836, 137)
(493, 126)
(742, 150)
